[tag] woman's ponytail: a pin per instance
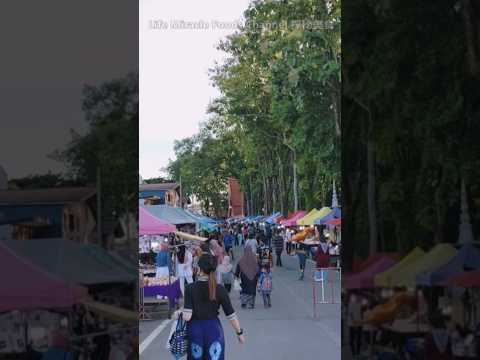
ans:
(208, 264)
(212, 286)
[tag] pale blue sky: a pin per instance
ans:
(174, 86)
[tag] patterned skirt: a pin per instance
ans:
(205, 340)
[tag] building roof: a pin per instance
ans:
(46, 196)
(161, 186)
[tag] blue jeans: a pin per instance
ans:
(302, 258)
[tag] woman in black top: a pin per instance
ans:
(201, 309)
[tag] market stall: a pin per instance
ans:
(468, 257)
(23, 279)
(292, 219)
(387, 278)
(365, 278)
(432, 260)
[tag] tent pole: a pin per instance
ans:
(418, 308)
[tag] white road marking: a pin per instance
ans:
(146, 343)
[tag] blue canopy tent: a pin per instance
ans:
(467, 257)
(172, 215)
(336, 213)
(260, 218)
(204, 222)
(271, 218)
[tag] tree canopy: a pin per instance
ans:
(276, 125)
(110, 147)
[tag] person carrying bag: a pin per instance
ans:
(178, 339)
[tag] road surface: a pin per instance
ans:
(285, 331)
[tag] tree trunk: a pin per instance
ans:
(439, 211)
(295, 181)
(338, 119)
(371, 193)
(251, 196)
(471, 34)
(281, 185)
(265, 195)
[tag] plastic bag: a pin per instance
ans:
(236, 285)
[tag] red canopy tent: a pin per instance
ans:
(25, 286)
(466, 279)
(365, 278)
(336, 222)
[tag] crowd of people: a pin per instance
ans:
(208, 274)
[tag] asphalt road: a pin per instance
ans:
(286, 331)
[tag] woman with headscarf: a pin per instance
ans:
(226, 274)
(218, 252)
(247, 271)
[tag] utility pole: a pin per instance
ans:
(181, 194)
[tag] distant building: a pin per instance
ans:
(235, 199)
(163, 193)
(67, 213)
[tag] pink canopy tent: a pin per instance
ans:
(26, 286)
(465, 279)
(292, 220)
(365, 278)
(150, 225)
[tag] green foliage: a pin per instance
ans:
(111, 144)
(280, 101)
(404, 74)
(43, 181)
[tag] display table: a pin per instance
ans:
(171, 291)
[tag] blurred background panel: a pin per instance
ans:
(68, 178)
(411, 188)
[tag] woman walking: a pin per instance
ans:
(247, 271)
(203, 299)
(184, 267)
(302, 252)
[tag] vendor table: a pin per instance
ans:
(171, 291)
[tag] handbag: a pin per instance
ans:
(179, 339)
(236, 285)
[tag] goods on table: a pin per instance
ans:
(161, 281)
(147, 269)
(303, 234)
(386, 312)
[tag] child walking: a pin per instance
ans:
(265, 285)
(225, 269)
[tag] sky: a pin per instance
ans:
(174, 87)
(50, 49)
